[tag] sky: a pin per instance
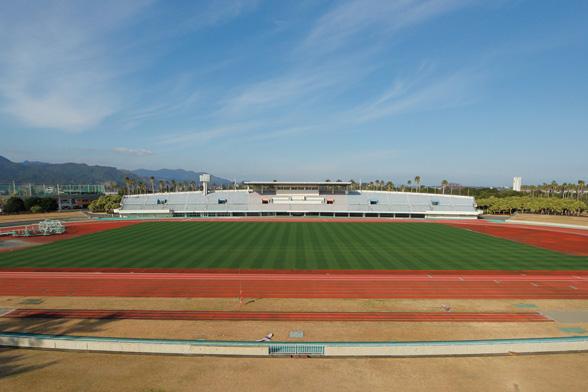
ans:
(475, 92)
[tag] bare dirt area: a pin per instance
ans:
(28, 370)
(292, 304)
(566, 220)
(312, 330)
(49, 215)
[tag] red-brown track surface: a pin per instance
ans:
(73, 229)
(278, 316)
(317, 284)
(566, 240)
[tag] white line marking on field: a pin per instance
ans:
(534, 284)
(573, 287)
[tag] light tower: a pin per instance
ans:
(205, 179)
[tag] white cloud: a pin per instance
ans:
(55, 63)
(366, 19)
(421, 93)
(140, 152)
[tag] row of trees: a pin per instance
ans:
(14, 205)
(533, 205)
(381, 185)
(564, 190)
(137, 186)
(106, 203)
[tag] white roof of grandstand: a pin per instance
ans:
(297, 182)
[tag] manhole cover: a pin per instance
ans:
(296, 334)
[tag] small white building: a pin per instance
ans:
(516, 183)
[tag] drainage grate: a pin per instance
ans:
(296, 349)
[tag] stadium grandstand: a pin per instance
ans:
(297, 199)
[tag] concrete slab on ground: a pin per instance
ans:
(568, 316)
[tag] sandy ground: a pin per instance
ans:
(313, 331)
(292, 304)
(28, 370)
(568, 220)
(49, 215)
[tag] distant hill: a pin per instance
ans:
(59, 173)
(179, 175)
(80, 173)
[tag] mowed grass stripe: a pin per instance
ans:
(291, 245)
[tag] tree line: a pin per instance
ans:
(14, 205)
(533, 205)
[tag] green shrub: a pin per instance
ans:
(105, 203)
(37, 209)
(13, 205)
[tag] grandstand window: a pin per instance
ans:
(371, 215)
(403, 215)
(435, 202)
(418, 216)
(222, 201)
(373, 202)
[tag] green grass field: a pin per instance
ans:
(291, 245)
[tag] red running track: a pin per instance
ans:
(566, 240)
(278, 316)
(383, 284)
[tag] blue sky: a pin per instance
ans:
(472, 91)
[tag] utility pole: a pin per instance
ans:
(58, 199)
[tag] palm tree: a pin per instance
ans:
(173, 183)
(152, 181)
(581, 185)
(409, 182)
(161, 185)
(417, 181)
(444, 184)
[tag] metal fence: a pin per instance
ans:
(296, 349)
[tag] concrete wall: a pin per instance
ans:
(187, 347)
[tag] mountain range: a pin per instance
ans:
(81, 173)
